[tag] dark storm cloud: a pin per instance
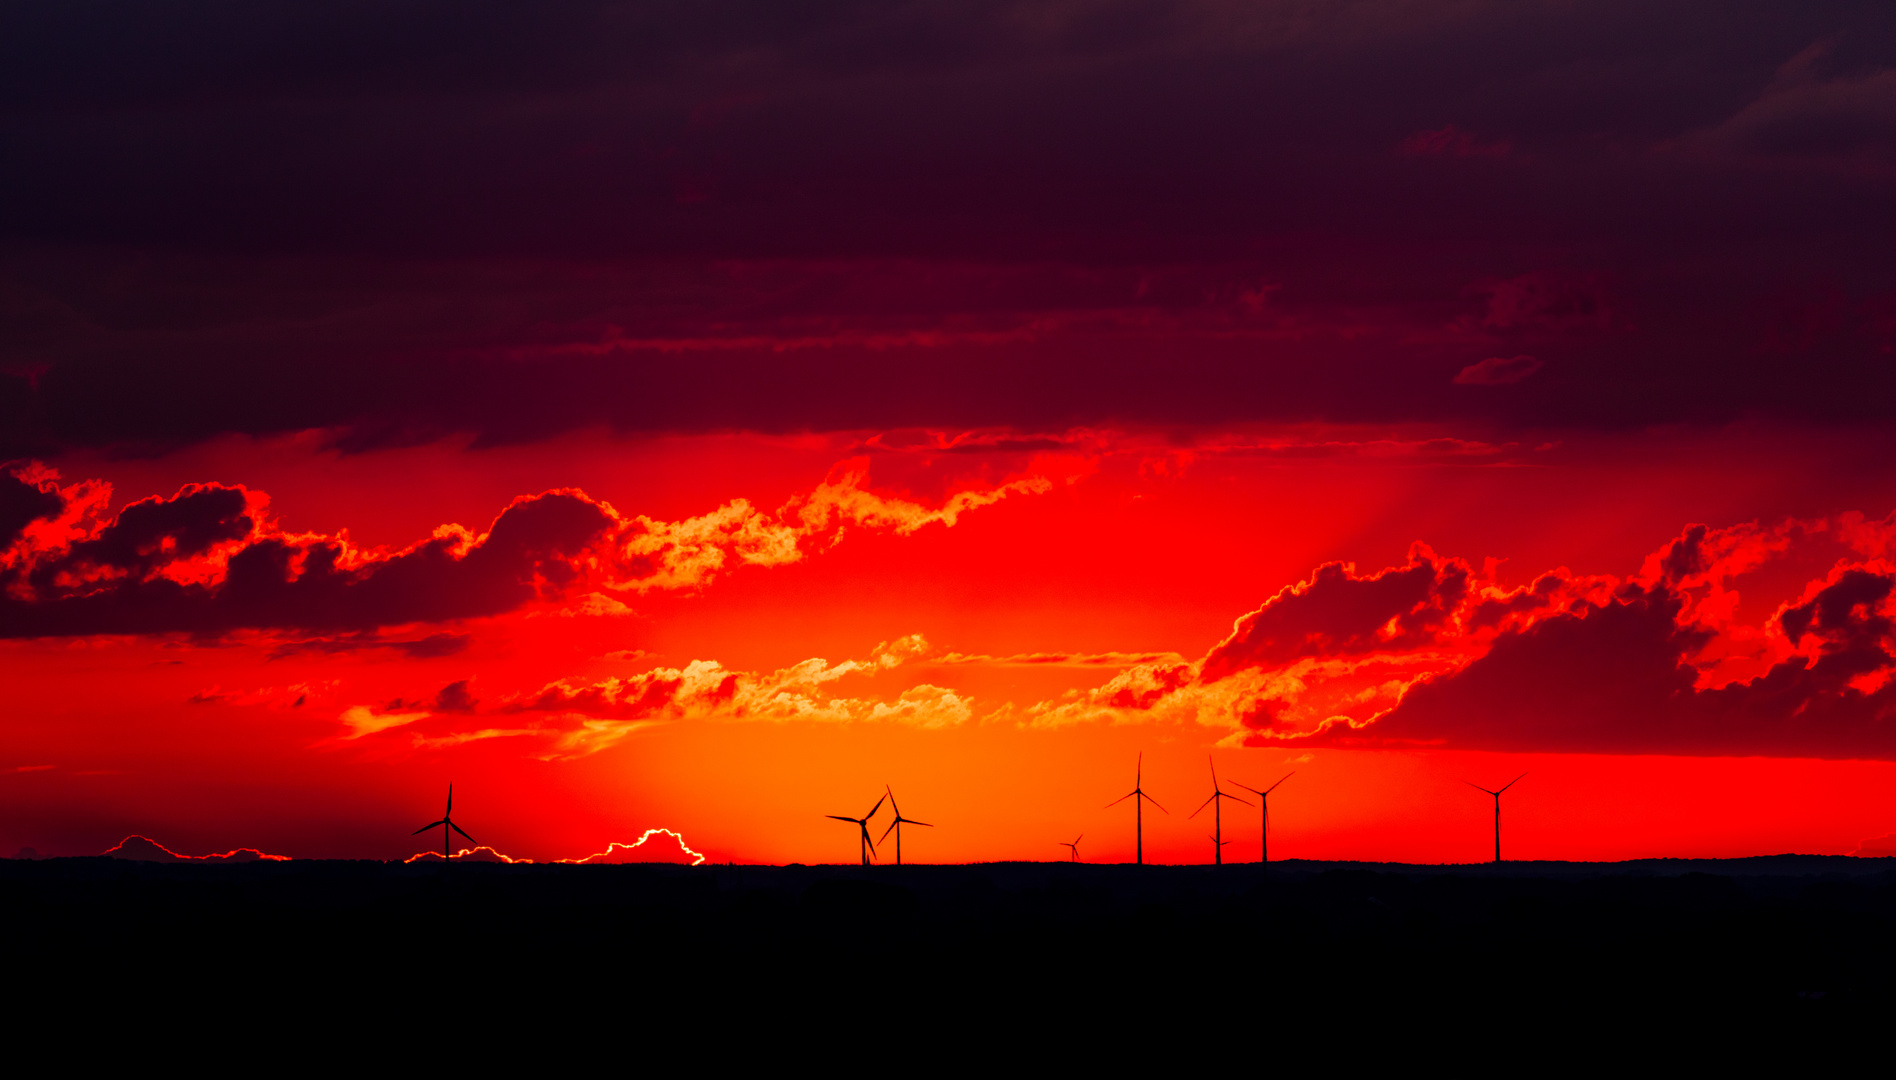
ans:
(1616, 677)
(405, 219)
(1340, 613)
(21, 504)
(196, 563)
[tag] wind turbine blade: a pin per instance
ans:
(1273, 787)
(1214, 771)
(873, 809)
(1478, 787)
(1510, 783)
(428, 826)
(1079, 838)
(865, 837)
(1233, 798)
(893, 805)
(1201, 806)
(1154, 802)
(839, 817)
(1123, 798)
(463, 833)
(891, 828)
(924, 824)
(1248, 788)
(450, 810)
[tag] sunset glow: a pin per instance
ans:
(754, 431)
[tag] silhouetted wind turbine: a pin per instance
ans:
(447, 823)
(868, 845)
(1497, 809)
(1264, 800)
(897, 824)
(1138, 811)
(1075, 845)
(1217, 818)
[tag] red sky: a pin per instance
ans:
(700, 420)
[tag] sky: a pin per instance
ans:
(711, 416)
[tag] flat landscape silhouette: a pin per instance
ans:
(1775, 965)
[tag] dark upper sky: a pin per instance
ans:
(399, 220)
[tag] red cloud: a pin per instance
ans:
(1498, 371)
(140, 849)
(207, 561)
(1618, 677)
(1339, 613)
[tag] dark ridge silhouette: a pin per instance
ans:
(1771, 966)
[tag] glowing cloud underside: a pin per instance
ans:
(615, 852)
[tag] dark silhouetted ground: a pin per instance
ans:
(1770, 966)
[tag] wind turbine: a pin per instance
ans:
(1497, 809)
(1217, 817)
(868, 845)
(1075, 845)
(1138, 810)
(896, 825)
(447, 823)
(1264, 800)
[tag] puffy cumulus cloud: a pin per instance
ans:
(139, 849)
(1433, 653)
(573, 718)
(210, 560)
(688, 554)
(1337, 612)
(653, 846)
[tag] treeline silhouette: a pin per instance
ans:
(1763, 966)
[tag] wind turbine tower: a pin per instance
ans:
(862, 823)
(896, 825)
(1138, 797)
(1264, 800)
(1497, 809)
(1216, 802)
(448, 827)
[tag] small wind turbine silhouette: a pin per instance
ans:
(1138, 811)
(1075, 845)
(447, 824)
(1497, 809)
(897, 824)
(1264, 800)
(1217, 806)
(868, 845)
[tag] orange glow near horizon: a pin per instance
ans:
(995, 624)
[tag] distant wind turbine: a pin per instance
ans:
(868, 845)
(1216, 802)
(1264, 800)
(897, 824)
(1497, 809)
(1138, 797)
(447, 824)
(1075, 845)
